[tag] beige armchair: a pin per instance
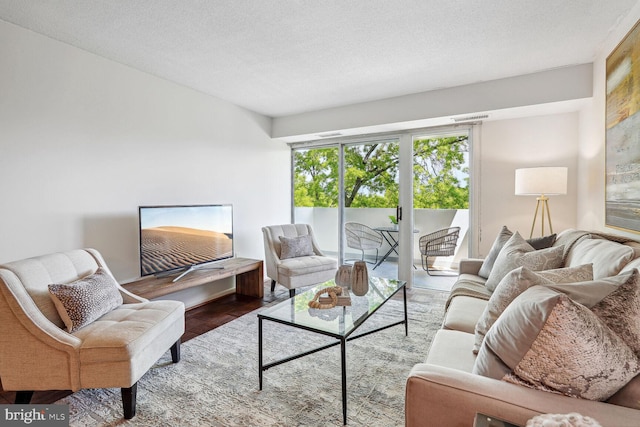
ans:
(37, 352)
(307, 266)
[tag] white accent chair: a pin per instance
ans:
(363, 238)
(295, 272)
(37, 353)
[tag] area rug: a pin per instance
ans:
(216, 381)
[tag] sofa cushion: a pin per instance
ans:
(629, 395)
(450, 349)
(463, 313)
(85, 300)
(620, 311)
(553, 343)
(608, 257)
(516, 253)
(293, 247)
(516, 282)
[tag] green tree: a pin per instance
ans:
(371, 171)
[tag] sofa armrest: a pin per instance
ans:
(450, 397)
(470, 265)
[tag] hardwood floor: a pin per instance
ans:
(203, 319)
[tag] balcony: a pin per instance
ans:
(325, 224)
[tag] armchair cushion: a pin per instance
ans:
(293, 247)
(82, 301)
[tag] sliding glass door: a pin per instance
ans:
(395, 187)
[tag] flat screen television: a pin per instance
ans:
(182, 238)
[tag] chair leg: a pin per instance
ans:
(273, 285)
(175, 351)
(292, 293)
(129, 401)
(23, 397)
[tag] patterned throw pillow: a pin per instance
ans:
(502, 238)
(552, 343)
(518, 253)
(518, 281)
(293, 247)
(620, 311)
(85, 300)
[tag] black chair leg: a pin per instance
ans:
(23, 397)
(175, 352)
(292, 293)
(273, 285)
(129, 401)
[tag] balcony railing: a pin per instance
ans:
(325, 225)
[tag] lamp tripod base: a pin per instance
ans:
(542, 205)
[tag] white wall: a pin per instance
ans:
(591, 206)
(84, 141)
(506, 145)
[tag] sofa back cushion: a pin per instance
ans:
(36, 274)
(608, 258)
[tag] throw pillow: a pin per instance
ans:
(620, 311)
(607, 257)
(518, 281)
(542, 242)
(518, 253)
(81, 302)
(537, 243)
(293, 247)
(553, 343)
(502, 238)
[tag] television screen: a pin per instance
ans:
(179, 237)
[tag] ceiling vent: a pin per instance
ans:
(470, 118)
(329, 134)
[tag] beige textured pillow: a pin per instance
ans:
(293, 247)
(518, 253)
(553, 343)
(607, 257)
(518, 281)
(85, 300)
(620, 311)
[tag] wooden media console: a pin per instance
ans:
(248, 273)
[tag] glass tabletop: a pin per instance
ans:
(338, 321)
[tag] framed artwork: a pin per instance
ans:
(622, 166)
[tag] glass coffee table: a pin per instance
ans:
(339, 322)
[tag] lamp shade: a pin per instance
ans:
(544, 180)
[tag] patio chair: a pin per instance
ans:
(363, 237)
(439, 243)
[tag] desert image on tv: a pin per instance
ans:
(165, 248)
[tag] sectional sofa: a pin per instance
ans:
(556, 330)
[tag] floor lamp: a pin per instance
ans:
(541, 182)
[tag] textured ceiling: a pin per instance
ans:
(282, 57)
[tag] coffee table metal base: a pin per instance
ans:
(342, 341)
